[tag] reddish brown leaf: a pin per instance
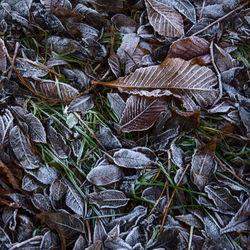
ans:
(6, 171)
(141, 113)
(174, 76)
(189, 47)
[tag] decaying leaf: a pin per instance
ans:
(128, 158)
(41, 202)
(3, 63)
(203, 164)
(58, 90)
(124, 24)
(109, 5)
(82, 104)
(165, 20)
(65, 224)
(140, 113)
(22, 150)
(108, 199)
(183, 6)
(240, 222)
(188, 48)
(107, 139)
(117, 103)
(174, 76)
(225, 202)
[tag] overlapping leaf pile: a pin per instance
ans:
(156, 159)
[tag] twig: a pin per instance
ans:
(171, 198)
(221, 18)
(18, 245)
(89, 232)
(13, 59)
(216, 70)
(41, 66)
(202, 9)
(230, 171)
(87, 127)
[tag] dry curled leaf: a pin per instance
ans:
(165, 20)
(140, 113)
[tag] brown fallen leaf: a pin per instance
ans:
(174, 76)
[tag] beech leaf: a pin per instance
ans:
(174, 76)
(140, 113)
(165, 20)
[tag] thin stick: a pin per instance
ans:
(41, 66)
(221, 18)
(86, 126)
(171, 198)
(216, 70)
(230, 171)
(202, 9)
(18, 245)
(14, 58)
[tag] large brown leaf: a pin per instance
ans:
(174, 76)
(141, 113)
(165, 20)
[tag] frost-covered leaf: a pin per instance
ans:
(104, 173)
(108, 5)
(151, 193)
(59, 146)
(190, 220)
(100, 233)
(53, 4)
(240, 222)
(22, 150)
(80, 243)
(165, 20)
(183, 6)
(3, 62)
(117, 103)
(124, 24)
(225, 202)
(73, 199)
(222, 59)
(203, 165)
(108, 199)
(6, 123)
(71, 120)
(114, 64)
(65, 224)
(36, 130)
(245, 117)
(128, 46)
(107, 139)
(31, 69)
(29, 184)
(140, 113)
(174, 76)
(161, 140)
(44, 174)
(57, 90)
(189, 47)
(221, 107)
(49, 240)
(82, 104)
(128, 158)
(57, 190)
(41, 202)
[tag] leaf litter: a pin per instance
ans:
(124, 124)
